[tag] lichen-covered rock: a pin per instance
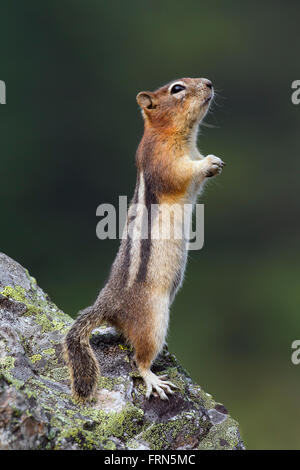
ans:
(37, 411)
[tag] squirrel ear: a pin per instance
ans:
(146, 99)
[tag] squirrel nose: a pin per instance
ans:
(207, 82)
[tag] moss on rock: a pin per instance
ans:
(34, 385)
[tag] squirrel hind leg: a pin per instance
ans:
(147, 346)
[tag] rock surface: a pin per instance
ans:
(37, 411)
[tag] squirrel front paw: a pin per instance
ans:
(213, 165)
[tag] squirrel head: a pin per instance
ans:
(178, 107)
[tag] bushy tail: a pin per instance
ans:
(79, 356)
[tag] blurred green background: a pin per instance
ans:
(68, 136)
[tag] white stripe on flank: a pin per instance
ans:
(134, 231)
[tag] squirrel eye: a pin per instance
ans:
(177, 88)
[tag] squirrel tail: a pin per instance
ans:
(79, 356)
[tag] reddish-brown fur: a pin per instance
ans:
(137, 309)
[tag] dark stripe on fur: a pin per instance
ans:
(128, 242)
(150, 199)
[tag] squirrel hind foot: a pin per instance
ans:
(157, 386)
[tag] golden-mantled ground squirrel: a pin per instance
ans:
(148, 271)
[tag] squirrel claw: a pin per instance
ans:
(156, 386)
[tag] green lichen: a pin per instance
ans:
(37, 306)
(32, 281)
(17, 293)
(7, 362)
(110, 445)
(18, 384)
(30, 393)
(3, 345)
(176, 379)
(59, 373)
(223, 436)
(180, 430)
(124, 424)
(6, 366)
(58, 325)
(35, 358)
(70, 413)
(125, 348)
(84, 439)
(87, 426)
(44, 321)
(49, 351)
(208, 400)
(109, 383)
